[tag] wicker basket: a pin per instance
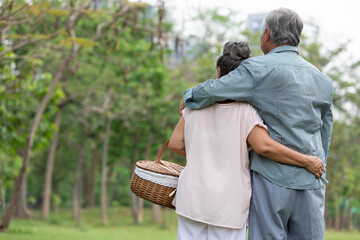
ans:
(156, 181)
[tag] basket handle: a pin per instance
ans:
(161, 151)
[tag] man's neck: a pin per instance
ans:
(273, 46)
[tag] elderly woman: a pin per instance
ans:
(214, 189)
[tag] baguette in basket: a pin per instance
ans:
(156, 181)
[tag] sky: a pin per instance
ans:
(338, 20)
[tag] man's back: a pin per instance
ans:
(293, 98)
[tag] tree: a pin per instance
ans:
(21, 92)
(50, 161)
(76, 12)
(113, 63)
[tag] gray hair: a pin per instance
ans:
(285, 26)
(233, 54)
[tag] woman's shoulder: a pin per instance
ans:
(242, 106)
(237, 106)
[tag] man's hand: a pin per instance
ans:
(181, 106)
(315, 166)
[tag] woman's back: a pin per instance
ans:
(215, 186)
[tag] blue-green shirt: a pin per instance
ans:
(294, 99)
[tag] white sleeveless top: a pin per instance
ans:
(215, 186)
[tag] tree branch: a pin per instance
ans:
(105, 25)
(76, 13)
(23, 44)
(13, 13)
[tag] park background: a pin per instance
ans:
(89, 87)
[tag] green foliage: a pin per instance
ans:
(22, 88)
(214, 28)
(10, 166)
(124, 76)
(253, 38)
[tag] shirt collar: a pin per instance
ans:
(285, 48)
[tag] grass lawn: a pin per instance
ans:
(120, 227)
(62, 227)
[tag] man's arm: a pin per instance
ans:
(263, 144)
(237, 85)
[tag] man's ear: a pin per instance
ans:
(267, 35)
(218, 72)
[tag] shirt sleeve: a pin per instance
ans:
(326, 131)
(184, 112)
(253, 120)
(327, 119)
(237, 85)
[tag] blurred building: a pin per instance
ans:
(310, 30)
(255, 21)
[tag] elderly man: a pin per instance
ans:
(294, 99)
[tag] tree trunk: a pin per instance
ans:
(50, 167)
(140, 201)
(165, 219)
(90, 191)
(57, 200)
(156, 211)
(77, 181)
(342, 216)
(22, 210)
(30, 140)
(350, 218)
(104, 172)
(137, 204)
(108, 178)
(85, 182)
(140, 211)
(337, 215)
(136, 207)
(161, 15)
(3, 201)
(2, 190)
(328, 219)
(75, 15)
(133, 205)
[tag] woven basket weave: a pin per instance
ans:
(156, 181)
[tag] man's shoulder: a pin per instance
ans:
(254, 63)
(317, 71)
(261, 61)
(255, 60)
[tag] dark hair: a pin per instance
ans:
(233, 54)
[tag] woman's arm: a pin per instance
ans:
(263, 144)
(177, 142)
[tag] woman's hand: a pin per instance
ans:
(315, 166)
